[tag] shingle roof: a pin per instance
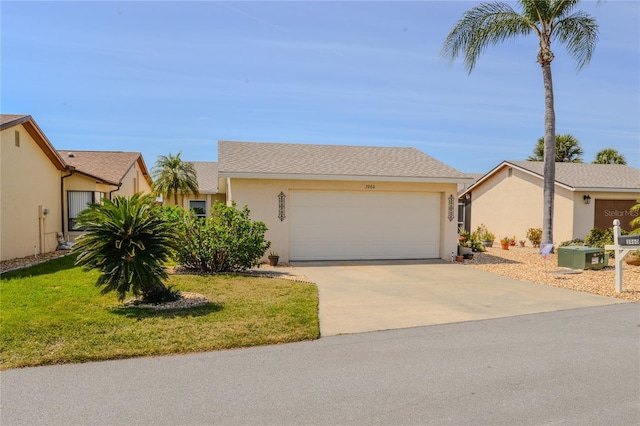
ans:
(8, 120)
(207, 172)
(578, 176)
(107, 166)
(258, 158)
(585, 175)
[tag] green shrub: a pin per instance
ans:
(228, 241)
(600, 237)
(574, 242)
(127, 241)
(534, 235)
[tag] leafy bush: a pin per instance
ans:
(600, 237)
(127, 241)
(574, 242)
(227, 241)
(469, 240)
(534, 235)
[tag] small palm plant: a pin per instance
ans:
(128, 241)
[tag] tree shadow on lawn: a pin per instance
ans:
(142, 313)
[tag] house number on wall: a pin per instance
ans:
(369, 186)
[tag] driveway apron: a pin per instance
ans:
(360, 296)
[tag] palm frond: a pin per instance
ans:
(482, 26)
(579, 32)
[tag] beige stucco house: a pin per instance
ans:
(30, 197)
(211, 189)
(327, 202)
(99, 174)
(508, 199)
(42, 190)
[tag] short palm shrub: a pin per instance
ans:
(228, 241)
(128, 241)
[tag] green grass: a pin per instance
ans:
(52, 313)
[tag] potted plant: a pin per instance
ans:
(273, 258)
(521, 243)
(512, 241)
(484, 235)
(505, 243)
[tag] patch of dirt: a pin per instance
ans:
(24, 262)
(187, 300)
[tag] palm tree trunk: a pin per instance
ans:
(549, 156)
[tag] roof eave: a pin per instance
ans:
(288, 176)
(41, 140)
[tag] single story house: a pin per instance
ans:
(95, 175)
(330, 202)
(509, 199)
(210, 190)
(42, 190)
(30, 194)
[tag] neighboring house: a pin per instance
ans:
(509, 200)
(326, 202)
(42, 190)
(97, 175)
(30, 198)
(208, 189)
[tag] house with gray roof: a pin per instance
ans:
(334, 202)
(509, 199)
(210, 190)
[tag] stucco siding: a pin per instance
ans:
(511, 204)
(29, 184)
(261, 196)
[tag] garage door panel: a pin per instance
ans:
(334, 225)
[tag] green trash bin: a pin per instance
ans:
(577, 257)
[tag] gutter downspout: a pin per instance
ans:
(229, 195)
(117, 189)
(71, 170)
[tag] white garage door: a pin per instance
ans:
(334, 225)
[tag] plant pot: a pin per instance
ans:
(464, 250)
(521, 243)
(512, 243)
(487, 243)
(273, 260)
(505, 246)
(459, 258)
(632, 259)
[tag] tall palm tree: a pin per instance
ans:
(568, 150)
(609, 156)
(171, 176)
(551, 20)
(127, 241)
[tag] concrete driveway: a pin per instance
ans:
(360, 296)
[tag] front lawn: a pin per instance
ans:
(52, 313)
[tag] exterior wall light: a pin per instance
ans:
(587, 199)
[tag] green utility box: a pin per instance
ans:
(576, 257)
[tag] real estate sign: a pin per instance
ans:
(606, 211)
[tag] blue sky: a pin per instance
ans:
(160, 77)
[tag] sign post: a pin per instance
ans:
(622, 246)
